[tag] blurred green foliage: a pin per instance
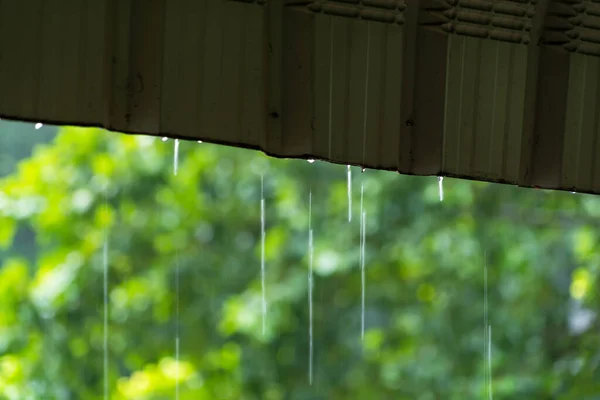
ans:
(16, 140)
(424, 279)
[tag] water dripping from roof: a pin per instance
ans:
(262, 254)
(349, 187)
(175, 157)
(38, 126)
(363, 220)
(441, 187)
(177, 284)
(487, 333)
(310, 290)
(489, 359)
(177, 324)
(105, 311)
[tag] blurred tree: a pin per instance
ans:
(17, 141)
(425, 262)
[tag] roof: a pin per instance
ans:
(503, 91)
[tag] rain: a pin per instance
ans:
(177, 324)
(310, 290)
(308, 324)
(105, 295)
(177, 291)
(489, 356)
(349, 185)
(175, 157)
(363, 220)
(441, 187)
(262, 254)
(487, 333)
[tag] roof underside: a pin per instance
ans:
(501, 90)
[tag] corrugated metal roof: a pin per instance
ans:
(504, 91)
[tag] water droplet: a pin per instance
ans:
(363, 169)
(310, 160)
(38, 125)
(164, 139)
(441, 187)
(199, 141)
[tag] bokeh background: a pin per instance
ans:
(63, 190)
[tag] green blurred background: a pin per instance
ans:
(62, 190)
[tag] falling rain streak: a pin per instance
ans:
(262, 254)
(487, 334)
(490, 390)
(363, 220)
(175, 157)
(177, 325)
(310, 290)
(441, 187)
(105, 295)
(349, 185)
(177, 291)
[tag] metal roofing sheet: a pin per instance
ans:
(503, 90)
